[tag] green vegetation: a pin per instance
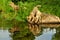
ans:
(9, 19)
(25, 7)
(48, 6)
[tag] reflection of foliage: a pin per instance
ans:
(57, 35)
(21, 36)
(23, 33)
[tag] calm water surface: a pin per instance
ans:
(4, 35)
(47, 34)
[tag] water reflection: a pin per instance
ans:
(4, 35)
(47, 34)
(57, 35)
(31, 32)
(24, 34)
(19, 36)
(35, 29)
(21, 32)
(38, 29)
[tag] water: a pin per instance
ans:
(46, 34)
(4, 35)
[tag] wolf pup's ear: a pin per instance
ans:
(38, 6)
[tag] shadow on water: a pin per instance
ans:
(31, 32)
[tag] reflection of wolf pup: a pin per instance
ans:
(35, 29)
(14, 29)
